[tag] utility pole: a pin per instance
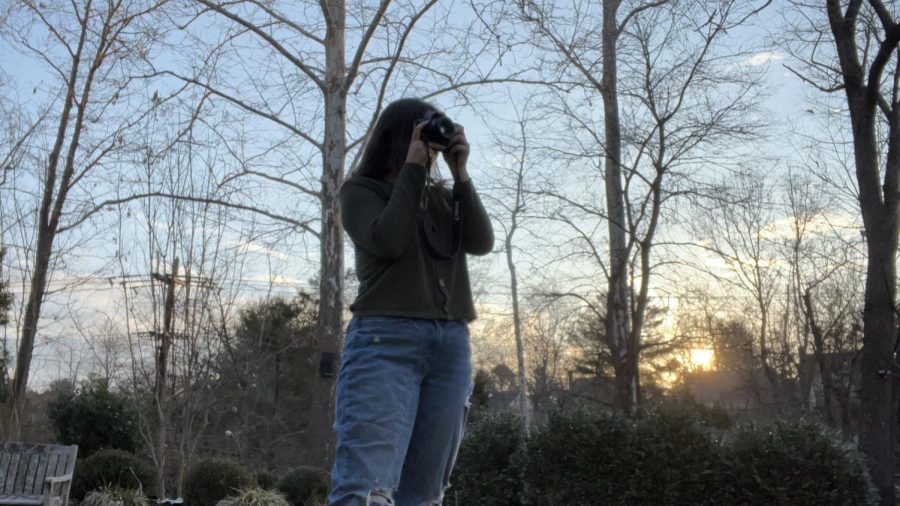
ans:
(162, 359)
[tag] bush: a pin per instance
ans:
(210, 481)
(115, 496)
(796, 464)
(255, 497)
(675, 458)
(112, 469)
(488, 470)
(266, 480)
(94, 418)
(578, 458)
(305, 485)
(670, 457)
(714, 417)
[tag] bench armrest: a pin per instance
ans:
(59, 479)
(58, 492)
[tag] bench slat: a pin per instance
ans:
(5, 459)
(31, 465)
(52, 462)
(21, 500)
(60, 468)
(61, 465)
(40, 469)
(22, 474)
(9, 486)
(41, 474)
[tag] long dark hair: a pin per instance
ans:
(388, 141)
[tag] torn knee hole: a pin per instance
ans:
(380, 497)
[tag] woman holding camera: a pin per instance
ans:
(406, 375)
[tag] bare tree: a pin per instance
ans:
(824, 280)
(548, 355)
(89, 49)
(673, 61)
(851, 47)
(836, 338)
(511, 197)
(320, 97)
(5, 303)
(738, 230)
(176, 279)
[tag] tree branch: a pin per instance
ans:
(637, 10)
(247, 107)
(887, 47)
(304, 225)
(268, 38)
(306, 33)
(364, 43)
(816, 85)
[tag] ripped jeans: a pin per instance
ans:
(400, 410)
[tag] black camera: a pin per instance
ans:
(439, 129)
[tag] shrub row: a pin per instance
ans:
(212, 481)
(116, 469)
(665, 457)
(208, 482)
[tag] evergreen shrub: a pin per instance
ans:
(112, 470)
(579, 458)
(793, 463)
(678, 459)
(95, 418)
(489, 465)
(666, 456)
(266, 480)
(210, 481)
(305, 485)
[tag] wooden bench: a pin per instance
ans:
(36, 474)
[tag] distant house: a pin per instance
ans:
(845, 369)
(739, 393)
(845, 374)
(592, 389)
(504, 400)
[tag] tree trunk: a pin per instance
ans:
(764, 347)
(879, 204)
(819, 351)
(49, 214)
(617, 298)
(517, 319)
(29, 325)
(331, 306)
(878, 417)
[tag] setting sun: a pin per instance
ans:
(702, 358)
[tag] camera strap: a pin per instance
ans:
(433, 231)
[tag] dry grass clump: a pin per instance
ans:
(255, 497)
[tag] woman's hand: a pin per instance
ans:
(419, 152)
(457, 154)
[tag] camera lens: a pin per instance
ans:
(439, 128)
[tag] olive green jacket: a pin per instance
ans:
(397, 276)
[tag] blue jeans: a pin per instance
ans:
(400, 410)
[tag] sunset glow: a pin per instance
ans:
(702, 358)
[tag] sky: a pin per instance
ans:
(289, 264)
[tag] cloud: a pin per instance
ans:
(277, 279)
(255, 247)
(763, 58)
